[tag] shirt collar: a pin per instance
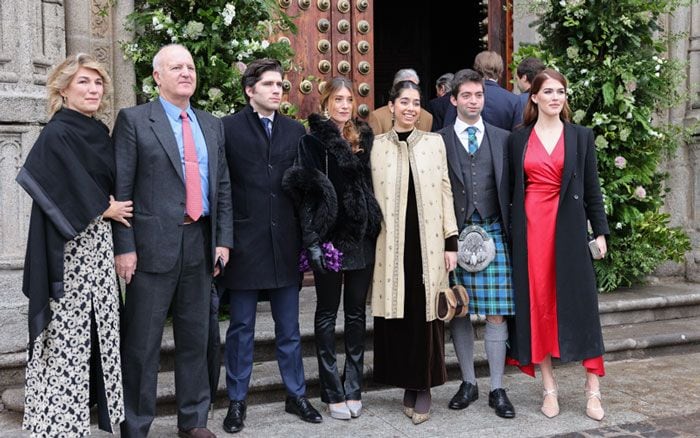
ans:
(174, 111)
(271, 116)
(460, 126)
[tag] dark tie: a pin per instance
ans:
(193, 183)
(473, 142)
(267, 123)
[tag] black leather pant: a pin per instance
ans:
(328, 291)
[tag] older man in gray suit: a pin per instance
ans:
(170, 161)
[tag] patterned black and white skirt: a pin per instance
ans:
(57, 395)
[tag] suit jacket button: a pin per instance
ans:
(575, 196)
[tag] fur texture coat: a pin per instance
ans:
(332, 190)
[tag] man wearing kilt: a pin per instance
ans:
(477, 158)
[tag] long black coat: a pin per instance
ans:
(266, 239)
(580, 198)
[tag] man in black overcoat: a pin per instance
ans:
(261, 144)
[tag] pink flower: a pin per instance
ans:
(640, 193)
(620, 162)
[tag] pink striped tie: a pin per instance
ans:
(193, 183)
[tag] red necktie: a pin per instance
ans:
(193, 183)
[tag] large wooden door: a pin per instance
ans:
(334, 38)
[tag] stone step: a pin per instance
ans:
(651, 320)
(639, 340)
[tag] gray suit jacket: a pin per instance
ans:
(149, 172)
(498, 139)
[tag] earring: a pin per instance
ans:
(325, 114)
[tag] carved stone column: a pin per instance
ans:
(692, 117)
(32, 38)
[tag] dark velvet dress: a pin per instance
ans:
(410, 353)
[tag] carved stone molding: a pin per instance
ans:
(15, 143)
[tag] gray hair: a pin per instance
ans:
(406, 74)
(156, 58)
(446, 81)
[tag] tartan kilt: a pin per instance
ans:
(491, 289)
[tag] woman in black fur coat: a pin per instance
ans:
(331, 187)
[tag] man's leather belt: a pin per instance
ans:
(188, 220)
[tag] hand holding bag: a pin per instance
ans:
(452, 302)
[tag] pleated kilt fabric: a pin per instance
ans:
(491, 289)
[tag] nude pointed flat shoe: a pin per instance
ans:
(596, 413)
(408, 411)
(419, 418)
(550, 410)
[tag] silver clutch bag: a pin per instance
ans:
(475, 249)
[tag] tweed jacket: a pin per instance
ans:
(424, 154)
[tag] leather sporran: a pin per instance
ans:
(452, 302)
(475, 249)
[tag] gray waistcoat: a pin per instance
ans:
(479, 180)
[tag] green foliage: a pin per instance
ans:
(222, 35)
(612, 53)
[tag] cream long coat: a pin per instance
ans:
(424, 152)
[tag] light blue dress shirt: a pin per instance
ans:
(173, 113)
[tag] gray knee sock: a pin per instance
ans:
(463, 340)
(495, 342)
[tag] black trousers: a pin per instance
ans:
(328, 291)
(186, 287)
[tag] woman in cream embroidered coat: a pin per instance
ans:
(390, 163)
(416, 249)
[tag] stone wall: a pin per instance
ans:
(35, 35)
(32, 38)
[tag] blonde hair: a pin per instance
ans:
(61, 76)
(350, 131)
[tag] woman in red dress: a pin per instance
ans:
(556, 192)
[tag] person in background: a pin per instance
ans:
(261, 144)
(381, 120)
(416, 250)
(69, 277)
(438, 106)
(555, 192)
(170, 160)
(334, 175)
(527, 69)
(478, 161)
(500, 105)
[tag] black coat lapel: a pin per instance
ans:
(259, 131)
(496, 156)
(164, 132)
(570, 148)
(210, 138)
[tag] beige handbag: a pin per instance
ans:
(452, 302)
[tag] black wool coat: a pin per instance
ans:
(266, 240)
(580, 199)
(332, 189)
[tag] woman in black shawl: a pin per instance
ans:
(73, 353)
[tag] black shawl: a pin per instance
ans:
(69, 174)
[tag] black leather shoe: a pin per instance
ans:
(466, 394)
(301, 407)
(234, 417)
(499, 401)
